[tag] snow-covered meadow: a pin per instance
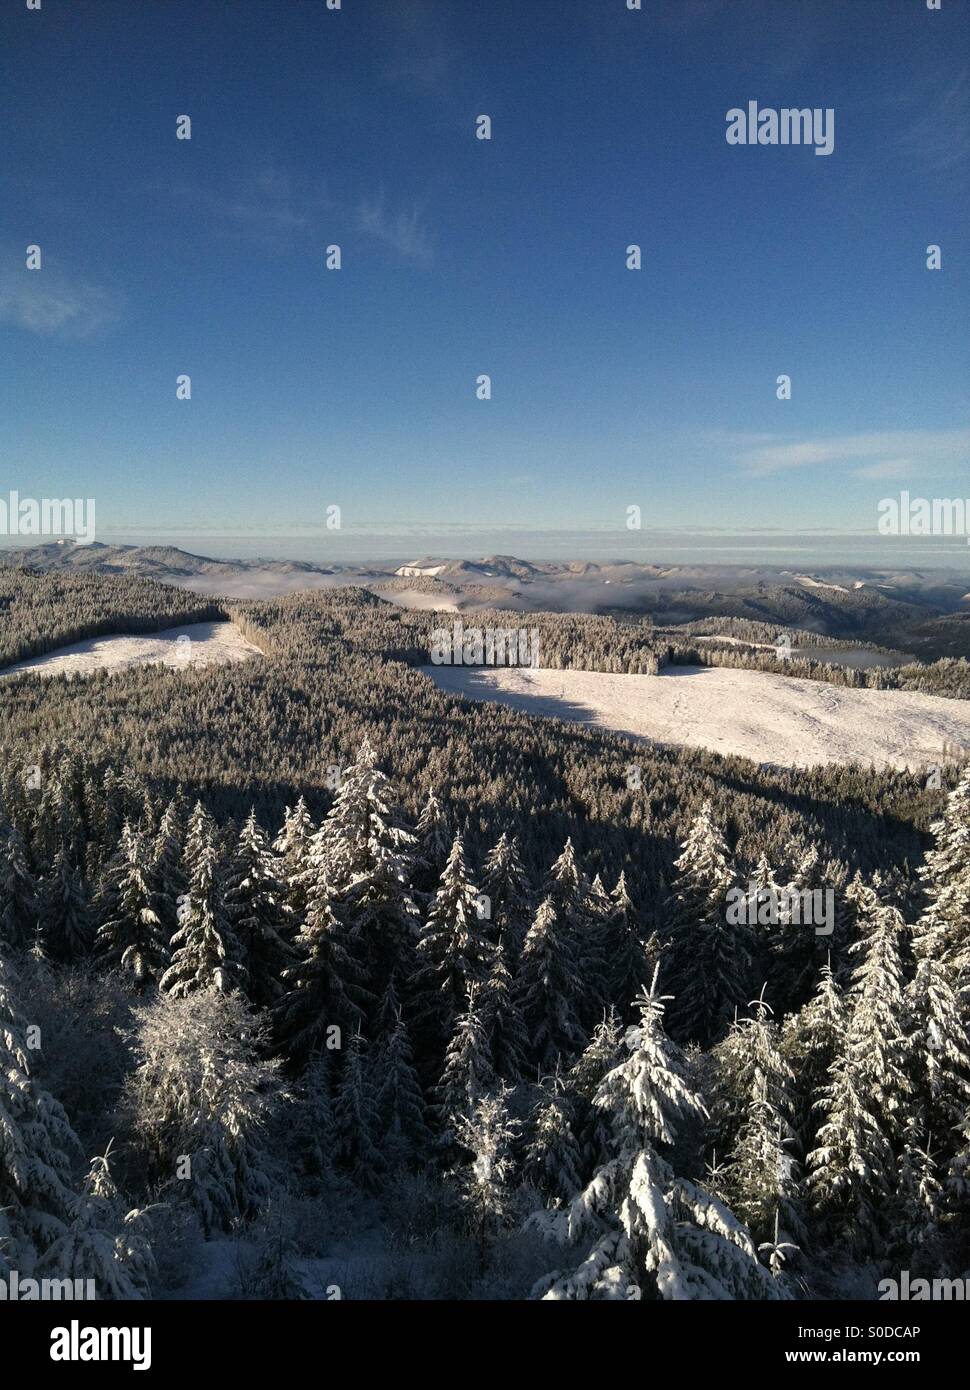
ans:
(769, 718)
(193, 644)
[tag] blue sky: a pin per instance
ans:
(356, 387)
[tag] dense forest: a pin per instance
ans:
(313, 978)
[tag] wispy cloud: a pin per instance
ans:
(403, 231)
(52, 304)
(880, 455)
(939, 138)
(271, 207)
(264, 203)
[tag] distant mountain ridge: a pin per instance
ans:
(923, 611)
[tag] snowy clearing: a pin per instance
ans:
(768, 718)
(194, 644)
(415, 598)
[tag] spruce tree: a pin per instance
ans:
(362, 856)
(292, 846)
(205, 952)
(131, 936)
(468, 1073)
(37, 1146)
(323, 987)
(944, 929)
(630, 961)
(506, 885)
(66, 929)
(653, 1235)
(709, 962)
(507, 1039)
(550, 989)
(18, 892)
(400, 1103)
(255, 902)
(356, 1116)
(453, 953)
(866, 1103)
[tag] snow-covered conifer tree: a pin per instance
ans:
(509, 891)
(400, 1102)
(255, 902)
(323, 986)
(205, 952)
(65, 918)
(199, 1102)
(944, 929)
(107, 1241)
(453, 953)
(468, 1073)
(37, 1146)
(653, 1235)
(507, 1038)
(356, 1115)
(131, 936)
(18, 892)
(866, 1103)
(550, 989)
(709, 960)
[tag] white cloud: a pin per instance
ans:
(939, 448)
(55, 305)
(402, 231)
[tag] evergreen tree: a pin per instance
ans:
(507, 1038)
(654, 1234)
(131, 936)
(362, 856)
(938, 1053)
(65, 919)
(865, 1103)
(506, 885)
(167, 866)
(292, 846)
(18, 892)
(553, 1159)
(255, 901)
(760, 1179)
(811, 1042)
(488, 1134)
(453, 953)
(323, 987)
(199, 1102)
(468, 1073)
(400, 1103)
(581, 917)
(105, 1242)
(205, 952)
(37, 1145)
(944, 929)
(631, 962)
(356, 1114)
(709, 964)
(435, 836)
(549, 989)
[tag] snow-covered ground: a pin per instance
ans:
(415, 598)
(769, 718)
(194, 644)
